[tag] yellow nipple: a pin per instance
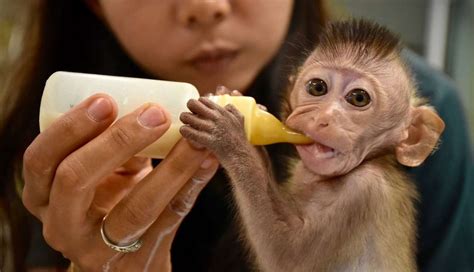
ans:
(261, 127)
(267, 129)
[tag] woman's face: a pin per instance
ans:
(204, 42)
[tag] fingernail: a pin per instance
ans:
(152, 117)
(206, 163)
(100, 109)
(221, 89)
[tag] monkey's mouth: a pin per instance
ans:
(316, 150)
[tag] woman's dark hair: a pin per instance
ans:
(66, 35)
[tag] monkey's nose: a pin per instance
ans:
(323, 125)
(320, 121)
(324, 116)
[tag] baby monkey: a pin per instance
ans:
(347, 206)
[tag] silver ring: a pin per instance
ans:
(132, 247)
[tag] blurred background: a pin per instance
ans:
(440, 30)
(12, 21)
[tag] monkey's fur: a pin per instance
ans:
(347, 206)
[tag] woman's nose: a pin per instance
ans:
(202, 13)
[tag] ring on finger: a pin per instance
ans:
(132, 247)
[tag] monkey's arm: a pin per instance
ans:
(266, 212)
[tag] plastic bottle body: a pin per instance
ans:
(64, 90)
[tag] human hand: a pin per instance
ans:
(82, 169)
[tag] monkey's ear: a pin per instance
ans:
(423, 135)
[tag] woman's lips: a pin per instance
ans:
(213, 61)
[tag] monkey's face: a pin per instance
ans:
(348, 112)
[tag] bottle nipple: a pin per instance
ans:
(267, 129)
(261, 127)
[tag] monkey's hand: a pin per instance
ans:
(219, 129)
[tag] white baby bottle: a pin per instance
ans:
(64, 90)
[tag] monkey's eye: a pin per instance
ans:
(316, 87)
(358, 98)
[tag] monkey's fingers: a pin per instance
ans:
(262, 107)
(221, 90)
(208, 102)
(236, 93)
(203, 139)
(232, 112)
(199, 108)
(196, 121)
